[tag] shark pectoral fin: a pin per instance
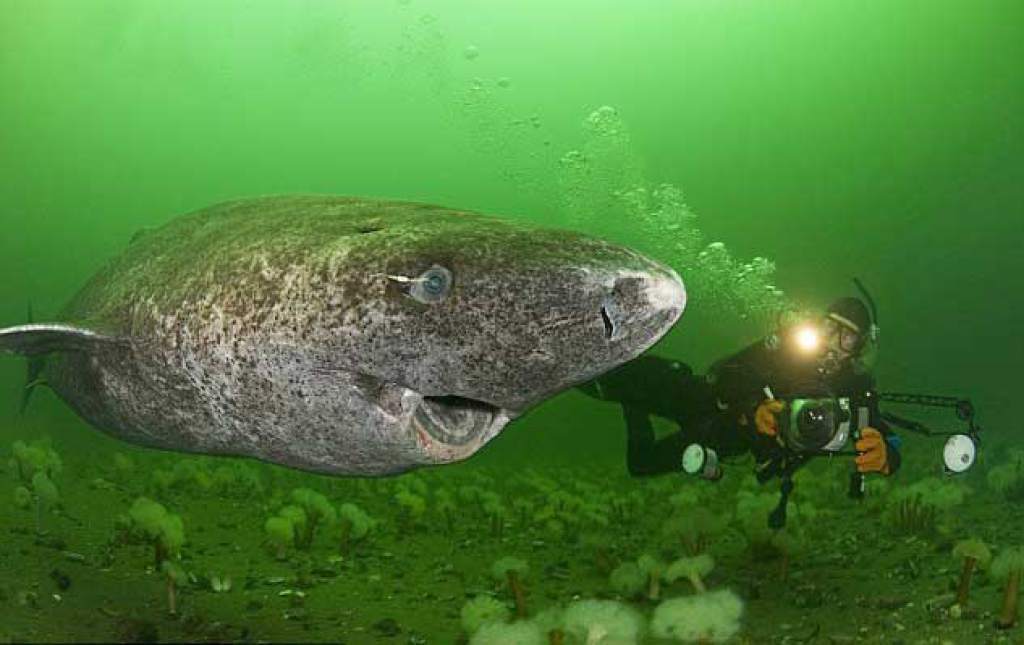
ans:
(37, 339)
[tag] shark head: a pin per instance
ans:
(466, 322)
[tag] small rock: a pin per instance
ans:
(325, 572)
(51, 542)
(945, 600)
(387, 627)
(61, 579)
(890, 603)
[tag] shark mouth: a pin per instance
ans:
(455, 420)
(452, 427)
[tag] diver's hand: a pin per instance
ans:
(764, 417)
(874, 452)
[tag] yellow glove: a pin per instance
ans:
(764, 417)
(874, 452)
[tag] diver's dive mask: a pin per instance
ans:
(841, 343)
(821, 425)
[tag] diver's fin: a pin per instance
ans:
(37, 339)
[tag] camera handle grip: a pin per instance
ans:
(856, 485)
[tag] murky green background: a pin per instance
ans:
(876, 139)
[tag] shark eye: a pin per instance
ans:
(432, 286)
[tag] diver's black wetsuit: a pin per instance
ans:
(718, 410)
(654, 386)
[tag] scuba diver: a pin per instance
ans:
(802, 391)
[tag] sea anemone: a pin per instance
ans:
(694, 528)
(653, 568)
(512, 570)
(22, 497)
(916, 508)
(788, 543)
(550, 622)
(37, 456)
(355, 525)
(175, 577)
(595, 543)
(317, 510)
(123, 464)
(752, 511)
(1008, 478)
(628, 579)
(693, 569)
(46, 496)
(1009, 566)
(411, 508)
(297, 517)
(495, 512)
(482, 610)
(523, 508)
(517, 633)
(712, 617)
(281, 534)
(444, 506)
(975, 554)
(150, 522)
(602, 621)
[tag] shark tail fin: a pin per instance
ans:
(35, 340)
(35, 369)
(32, 380)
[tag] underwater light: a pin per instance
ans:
(807, 338)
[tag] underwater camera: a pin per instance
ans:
(825, 426)
(819, 425)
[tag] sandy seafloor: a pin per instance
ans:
(855, 576)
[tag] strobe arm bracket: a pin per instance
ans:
(907, 424)
(960, 450)
(963, 407)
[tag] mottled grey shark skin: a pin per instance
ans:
(345, 336)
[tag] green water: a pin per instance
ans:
(876, 139)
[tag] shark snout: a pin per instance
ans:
(641, 304)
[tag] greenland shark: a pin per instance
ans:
(342, 335)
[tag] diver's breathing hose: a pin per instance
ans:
(869, 299)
